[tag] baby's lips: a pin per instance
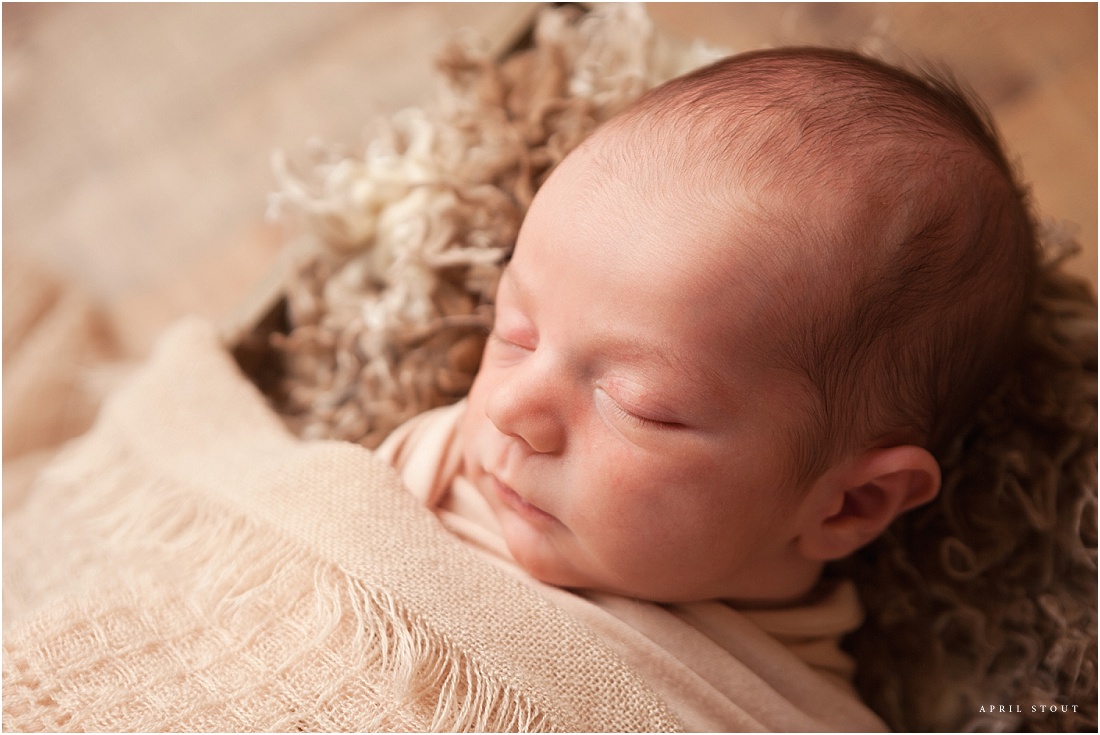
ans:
(526, 509)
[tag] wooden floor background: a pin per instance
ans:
(137, 137)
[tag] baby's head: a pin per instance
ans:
(740, 321)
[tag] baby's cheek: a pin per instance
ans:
(467, 435)
(475, 400)
(633, 501)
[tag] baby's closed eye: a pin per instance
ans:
(512, 338)
(626, 409)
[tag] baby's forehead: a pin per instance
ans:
(787, 210)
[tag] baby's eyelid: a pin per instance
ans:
(495, 336)
(638, 414)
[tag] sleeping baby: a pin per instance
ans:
(739, 324)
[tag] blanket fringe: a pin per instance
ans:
(236, 574)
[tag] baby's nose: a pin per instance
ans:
(527, 409)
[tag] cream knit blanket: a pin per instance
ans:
(189, 565)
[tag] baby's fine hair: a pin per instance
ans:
(910, 249)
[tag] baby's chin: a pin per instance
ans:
(550, 566)
(536, 551)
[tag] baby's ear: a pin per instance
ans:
(852, 503)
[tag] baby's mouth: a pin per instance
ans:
(527, 510)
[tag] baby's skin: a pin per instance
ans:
(627, 426)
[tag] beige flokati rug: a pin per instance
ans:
(982, 608)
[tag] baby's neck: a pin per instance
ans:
(790, 581)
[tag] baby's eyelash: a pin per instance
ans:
(641, 421)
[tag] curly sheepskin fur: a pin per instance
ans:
(981, 607)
